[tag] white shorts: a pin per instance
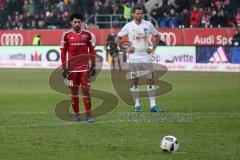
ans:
(140, 58)
(141, 66)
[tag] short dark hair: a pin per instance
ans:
(137, 8)
(76, 15)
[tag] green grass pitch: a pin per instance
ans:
(29, 128)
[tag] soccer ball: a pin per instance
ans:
(169, 144)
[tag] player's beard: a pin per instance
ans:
(76, 28)
(138, 19)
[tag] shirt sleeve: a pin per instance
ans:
(63, 49)
(124, 31)
(91, 47)
(153, 30)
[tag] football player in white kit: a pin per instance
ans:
(140, 55)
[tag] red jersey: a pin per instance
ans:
(77, 49)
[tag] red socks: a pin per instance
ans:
(75, 104)
(86, 101)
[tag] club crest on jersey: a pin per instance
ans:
(145, 29)
(84, 36)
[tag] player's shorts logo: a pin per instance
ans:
(13, 39)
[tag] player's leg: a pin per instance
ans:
(151, 88)
(75, 102)
(74, 94)
(118, 61)
(85, 85)
(113, 60)
(135, 88)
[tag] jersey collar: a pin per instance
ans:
(136, 23)
(77, 33)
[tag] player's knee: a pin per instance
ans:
(151, 87)
(134, 88)
(151, 81)
(85, 90)
(135, 81)
(74, 96)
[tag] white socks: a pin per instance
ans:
(135, 94)
(137, 102)
(151, 93)
(152, 102)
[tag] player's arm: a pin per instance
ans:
(156, 35)
(92, 53)
(124, 46)
(64, 49)
(118, 40)
(120, 35)
(156, 41)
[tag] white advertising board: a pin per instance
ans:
(174, 58)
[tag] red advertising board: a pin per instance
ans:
(181, 37)
(13, 37)
(48, 37)
(206, 37)
(171, 36)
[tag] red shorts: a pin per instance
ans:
(80, 78)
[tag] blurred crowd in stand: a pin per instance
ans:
(45, 14)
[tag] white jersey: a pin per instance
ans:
(138, 36)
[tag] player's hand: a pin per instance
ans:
(92, 70)
(150, 51)
(130, 49)
(65, 73)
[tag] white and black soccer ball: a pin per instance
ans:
(169, 144)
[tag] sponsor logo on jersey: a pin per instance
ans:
(84, 37)
(77, 44)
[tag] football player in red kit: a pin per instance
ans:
(78, 63)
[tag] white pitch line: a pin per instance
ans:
(191, 111)
(67, 123)
(37, 125)
(20, 113)
(195, 115)
(95, 122)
